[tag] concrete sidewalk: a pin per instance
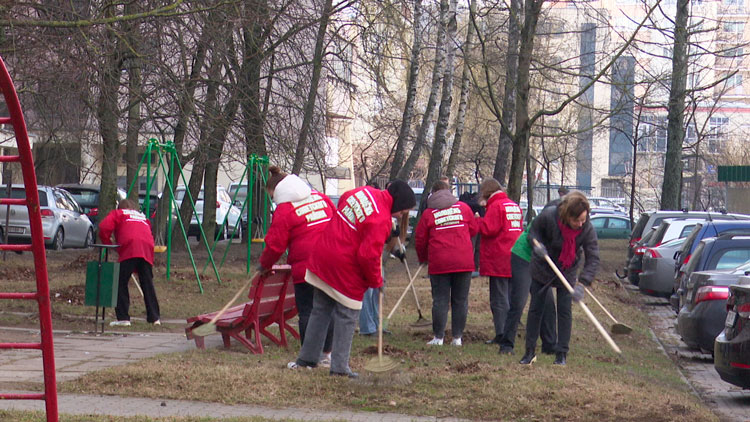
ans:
(77, 354)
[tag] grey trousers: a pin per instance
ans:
(499, 303)
(450, 291)
(325, 310)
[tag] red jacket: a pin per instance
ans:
(500, 228)
(443, 239)
(297, 226)
(347, 258)
(132, 232)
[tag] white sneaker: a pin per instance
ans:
(124, 323)
(456, 342)
(157, 322)
(293, 365)
(435, 342)
(325, 361)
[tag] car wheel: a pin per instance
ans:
(238, 232)
(89, 239)
(58, 240)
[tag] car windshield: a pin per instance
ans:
(85, 198)
(20, 193)
(180, 193)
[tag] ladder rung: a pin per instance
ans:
(30, 296)
(20, 346)
(5, 120)
(10, 158)
(22, 397)
(12, 201)
(9, 247)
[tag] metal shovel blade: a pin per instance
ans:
(620, 329)
(422, 322)
(204, 330)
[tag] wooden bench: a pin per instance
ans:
(271, 302)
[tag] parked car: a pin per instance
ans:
(87, 197)
(732, 346)
(654, 218)
(702, 316)
(657, 277)
(706, 229)
(64, 224)
(611, 226)
(224, 210)
(727, 251)
(640, 249)
(668, 229)
(604, 204)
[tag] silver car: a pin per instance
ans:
(224, 210)
(657, 278)
(64, 223)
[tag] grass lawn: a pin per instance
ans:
(472, 382)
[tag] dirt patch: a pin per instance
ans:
(70, 294)
(471, 367)
(79, 263)
(387, 349)
(17, 273)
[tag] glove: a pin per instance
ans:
(263, 271)
(578, 292)
(398, 253)
(539, 249)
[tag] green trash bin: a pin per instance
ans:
(102, 279)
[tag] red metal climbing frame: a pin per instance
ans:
(41, 295)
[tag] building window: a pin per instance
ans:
(717, 130)
(652, 134)
(734, 27)
(734, 84)
(733, 3)
(733, 52)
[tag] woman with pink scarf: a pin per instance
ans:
(566, 235)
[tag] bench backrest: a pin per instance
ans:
(266, 291)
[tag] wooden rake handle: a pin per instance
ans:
(411, 282)
(236, 295)
(585, 308)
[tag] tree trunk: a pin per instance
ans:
(672, 185)
(134, 128)
(523, 128)
(509, 95)
(299, 157)
(463, 100)
(107, 113)
(437, 72)
(411, 92)
(252, 115)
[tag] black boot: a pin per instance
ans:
(560, 358)
(493, 340)
(529, 357)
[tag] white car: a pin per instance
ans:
(224, 210)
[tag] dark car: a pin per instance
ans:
(702, 316)
(702, 230)
(87, 197)
(727, 251)
(732, 346)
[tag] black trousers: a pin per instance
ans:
(520, 286)
(450, 291)
(539, 296)
(303, 296)
(146, 279)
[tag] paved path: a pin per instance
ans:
(729, 402)
(77, 354)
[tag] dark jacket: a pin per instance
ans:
(544, 229)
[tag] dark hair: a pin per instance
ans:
(562, 191)
(275, 175)
(439, 185)
(127, 204)
(572, 205)
(402, 194)
(488, 187)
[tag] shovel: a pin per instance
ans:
(585, 308)
(421, 321)
(617, 327)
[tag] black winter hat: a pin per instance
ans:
(403, 196)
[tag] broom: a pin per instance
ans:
(210, 327)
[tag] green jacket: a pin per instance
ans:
(522, 247)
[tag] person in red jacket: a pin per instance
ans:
(443, 239)
(345, 263)
(300, 217)
(132, 232)
(500, 228)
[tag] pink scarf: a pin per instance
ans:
(568, 253)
